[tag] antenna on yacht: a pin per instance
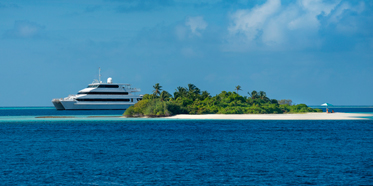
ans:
(99, 74)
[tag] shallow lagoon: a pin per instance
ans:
(32, 114)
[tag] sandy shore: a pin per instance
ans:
(306, 116)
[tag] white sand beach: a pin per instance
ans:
(305, 116)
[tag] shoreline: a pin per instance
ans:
(303, 116)
(300, 117)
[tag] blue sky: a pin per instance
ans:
(308, 51)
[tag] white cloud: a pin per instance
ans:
(316, 7)
(24, 29)
(250, 22)
(309, 10)
(339, 14)
(339, 11)
(196, 24)
(274, 24)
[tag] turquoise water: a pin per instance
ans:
(51, 111)
(76, 118)
(95, 118)
(34, 114)
(347, 108)
(25, 108)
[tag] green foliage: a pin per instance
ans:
(154, 108)
(253, 94)
(147, 96)
(138, 109)
(190, 100)
(285, 102)
(165, 96)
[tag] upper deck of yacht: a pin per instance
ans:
(109, 86)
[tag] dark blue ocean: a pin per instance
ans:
(181, 152)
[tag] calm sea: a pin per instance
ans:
(180, 152)
(347, 108)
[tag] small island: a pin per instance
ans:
(191, 100)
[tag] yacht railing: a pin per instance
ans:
(71, 97)
(63, 99)
(133, 89)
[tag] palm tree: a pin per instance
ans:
(157, 89)
(180, 92)
(205, 94)
(165, 95)
(191, 88)
(180, 89)
(193, 91)
(274, 101)
(253, 94)
(238, 87)
(197, 91)
(263, 95)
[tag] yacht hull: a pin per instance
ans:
(57, 103)
(74, 105)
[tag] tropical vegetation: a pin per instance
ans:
(191, 100)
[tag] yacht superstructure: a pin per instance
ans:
(100, 96)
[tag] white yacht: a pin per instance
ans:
(100, 96)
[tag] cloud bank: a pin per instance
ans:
(295, 25)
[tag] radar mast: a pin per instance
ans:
(99, 74)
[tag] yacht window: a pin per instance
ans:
(92, 99)
(108, 86)
(92, 86)
(115, 93)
